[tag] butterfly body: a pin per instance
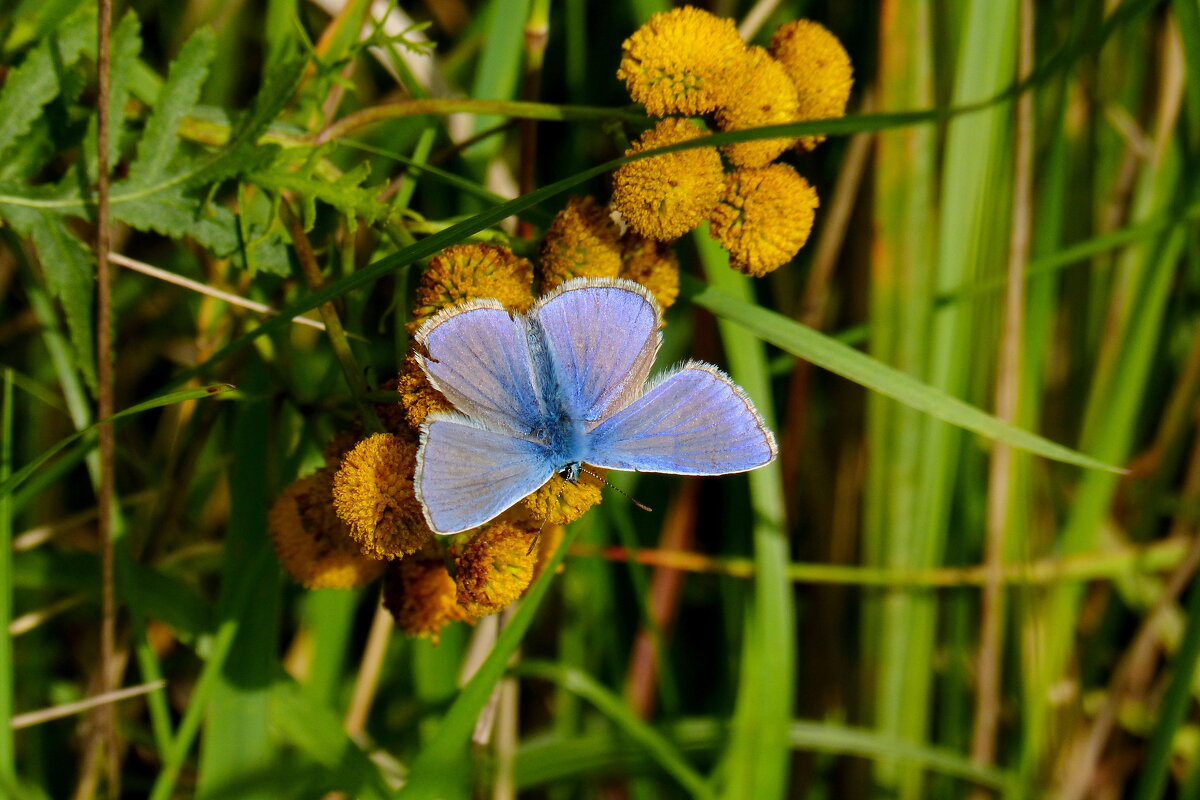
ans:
(564, 386)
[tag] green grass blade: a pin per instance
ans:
(829, 353)
(547, 760)
(237, 738)
(665, 754)
(1173, 709)
(757, 760)
(180, 396)
(440, 770)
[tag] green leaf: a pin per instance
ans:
(243, 154)
(296, 170)
(170, 398)
(438, 769)
(29, 87)
(70, 277)
(177, 98)
(318, 732)
(173, 213)
(126, 46)
(658, 747)
(830, 354)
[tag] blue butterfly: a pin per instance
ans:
(563, 386)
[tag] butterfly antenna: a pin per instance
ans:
(617, 489)
(538, 537)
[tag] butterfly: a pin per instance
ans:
(564, 386)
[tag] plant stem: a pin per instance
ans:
(106, 714)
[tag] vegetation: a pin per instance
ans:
(969, 572)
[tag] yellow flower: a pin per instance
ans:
(765, 96)
(312, 543)
(373, 495)
(494, 568)
(653, 265)
(421, 596)
(417, 395)
(820, 69)
(581, 242)
(678, 62)
(469, 272)
(764, 217)
(665, 196)
(560, 501)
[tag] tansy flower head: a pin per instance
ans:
(765, 96)
(312, 543)
(495, 567)
(581, 242)
(417, 395)
(373, 495)
(820, 69)
(560, 501)
(764, 218)
(469, 272)
(653, 265)
(679, 61)
(421, 596)
(665, 196)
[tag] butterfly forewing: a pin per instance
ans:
(478, 357)
(603, 339)
(466, 475)
(694, 421)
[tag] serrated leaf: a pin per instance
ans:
(29, 87)
(243, 154)
(70, 276)
(178, 96)
(176, 214)
(172, 213)
(126, 47)
(345, 193)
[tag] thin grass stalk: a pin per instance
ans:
(900, 297)
(367, 682)
(1080, 773)
(756, 762)
(338, 338)
(646, 661)
(222, 641)
(968, 229)
(1152, 782)
(1002, 509)
(8, 750)
(665, 753)
(105, 716)
(537, 38)
(1115, 396)
(1042, 313)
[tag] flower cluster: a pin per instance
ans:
(358, 517)
(687, 62)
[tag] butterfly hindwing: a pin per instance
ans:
(466, 475)
(692, 421)
(477, 355)
(603, 336)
